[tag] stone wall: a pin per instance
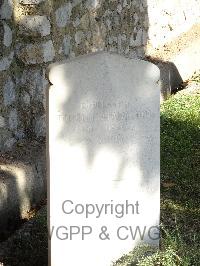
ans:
(35, 33)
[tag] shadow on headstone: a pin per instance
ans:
(10, 219)
(104, 146)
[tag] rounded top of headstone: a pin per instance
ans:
(109, 61)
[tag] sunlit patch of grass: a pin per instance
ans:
(180, 163)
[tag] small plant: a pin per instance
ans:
(196, 77)
(166, 258)
(133, 257)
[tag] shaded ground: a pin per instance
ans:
(29, 246)
(22, 184)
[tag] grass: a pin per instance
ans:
(180, 172)
(180, 198)
(180, 188)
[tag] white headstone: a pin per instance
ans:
(104, 150)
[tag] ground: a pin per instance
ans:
(180, 194)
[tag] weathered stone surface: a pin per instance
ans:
(7, 38)
(31, 2)
(119, 8)
(91, 4)
(78, 37)
(9, 92)
(36, 82)
(138, 40)
(104, 149)
(6, 61)
(75, 2)
(26, 98)
(37, 53)
(76, 22)
(5, 134)
(9, 143)
(40, 126)
(66, 45)
(6, 9)
(48, 51)
(13, 119)
(19, 134)
(34, 26)
(85, 22)
(63, 14)
(2, 121)
(30, 54)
